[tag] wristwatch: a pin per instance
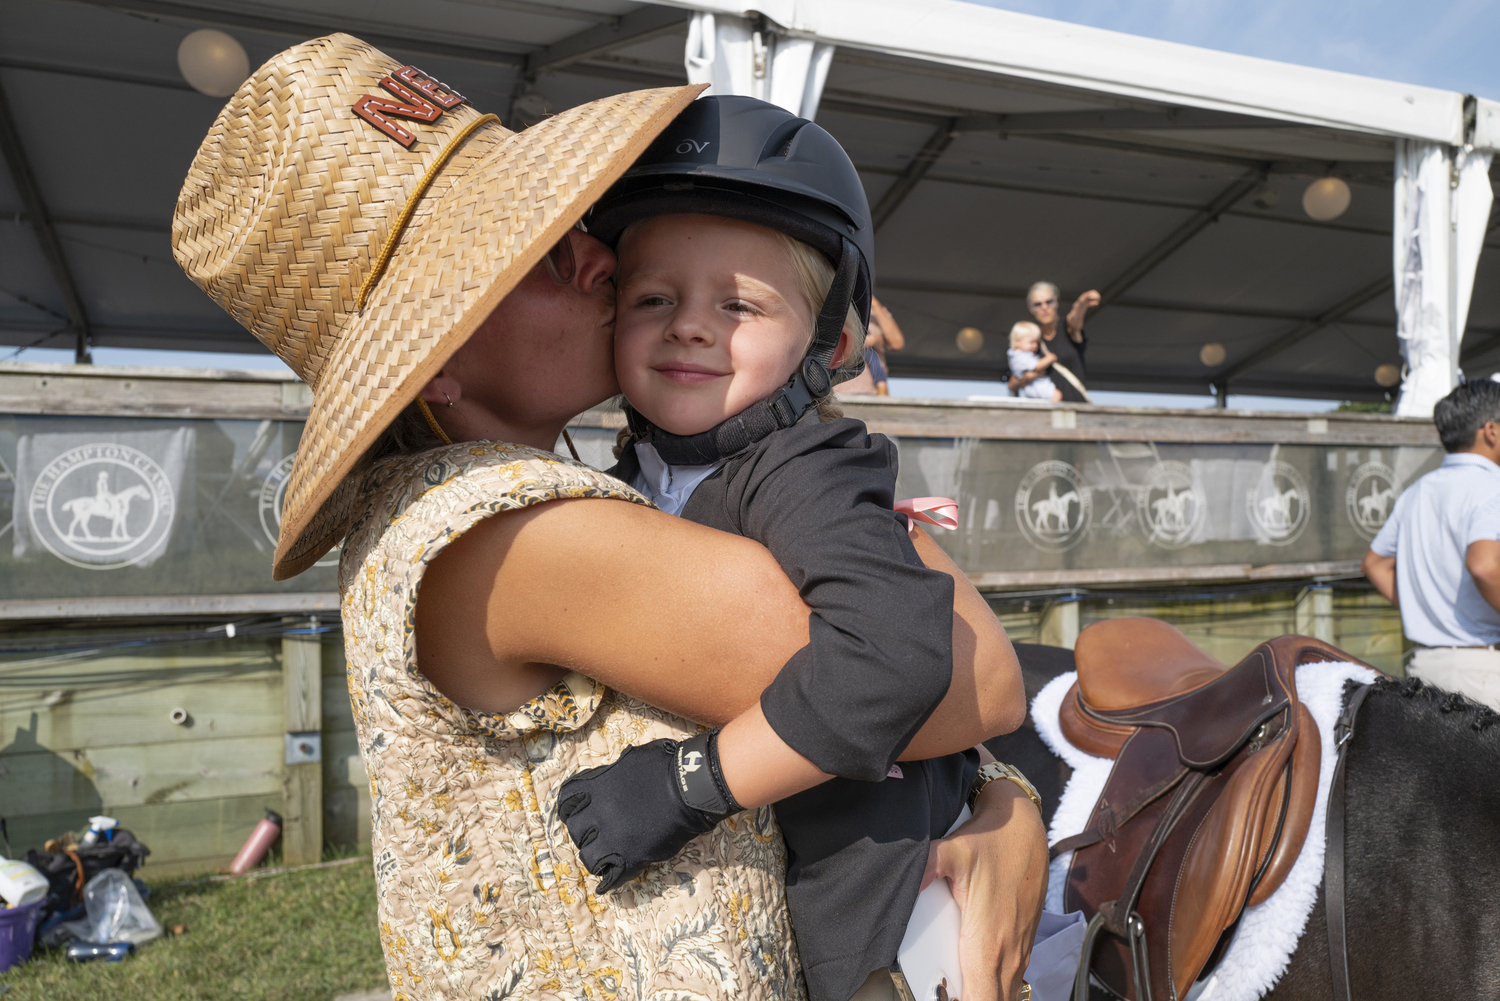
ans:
(1000, 770)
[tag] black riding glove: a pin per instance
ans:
(645, 806)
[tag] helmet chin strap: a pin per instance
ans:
(810, 383)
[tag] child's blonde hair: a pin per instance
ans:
(816, 274)
(1024, 328)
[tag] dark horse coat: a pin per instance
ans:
(1422, 845)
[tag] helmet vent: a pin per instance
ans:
(779, 142)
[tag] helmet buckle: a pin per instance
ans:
(816, 377)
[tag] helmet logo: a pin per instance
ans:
(693, 146)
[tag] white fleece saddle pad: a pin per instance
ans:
(1268, 932)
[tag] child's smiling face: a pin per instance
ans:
(710, 319)
(1027, 342)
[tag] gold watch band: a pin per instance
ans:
(996, 770)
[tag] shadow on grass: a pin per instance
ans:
(301, 936)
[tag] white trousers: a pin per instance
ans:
(1467, 671)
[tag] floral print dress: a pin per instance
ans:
(481, 894)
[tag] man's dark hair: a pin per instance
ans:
(1461, 413)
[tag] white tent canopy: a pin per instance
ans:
(997, 149)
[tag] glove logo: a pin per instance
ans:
(692, 761)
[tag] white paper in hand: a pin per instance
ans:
(929, 950)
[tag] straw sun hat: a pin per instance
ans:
(364, 246)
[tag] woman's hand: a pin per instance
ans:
(996, 864)
(1080, 309)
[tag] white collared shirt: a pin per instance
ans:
(668, 486)
(1429, 533)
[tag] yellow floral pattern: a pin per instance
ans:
(481, 892)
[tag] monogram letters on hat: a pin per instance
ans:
(422, 99)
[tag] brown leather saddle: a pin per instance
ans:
(1206, 808)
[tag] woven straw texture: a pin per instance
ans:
(290, 198)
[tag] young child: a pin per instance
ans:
(1027, 356)
(724, 318)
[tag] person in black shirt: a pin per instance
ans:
(1043, 300)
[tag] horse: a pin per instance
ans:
(1375, 505)
(1054, 507)
(1422, 836)
(113, 507)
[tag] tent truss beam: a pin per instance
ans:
(1112, 120)
(931, 151)
(1160, 305)
(400, 38)
(1194, 225)
(1303, 331)
(30, 191)
(637, 26)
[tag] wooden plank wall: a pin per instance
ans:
(1364, 624)
(93, 734)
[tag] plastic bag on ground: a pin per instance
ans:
(115, 912)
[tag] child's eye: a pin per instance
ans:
(652, 299)
(740, 306)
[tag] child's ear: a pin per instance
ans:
(846, 339)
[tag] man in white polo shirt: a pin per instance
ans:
(1438, 556)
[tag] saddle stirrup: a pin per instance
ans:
(1139, 959)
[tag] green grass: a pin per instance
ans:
(303, 936)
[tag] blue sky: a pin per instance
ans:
(1439, 43)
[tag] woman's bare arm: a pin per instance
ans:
(686, 618)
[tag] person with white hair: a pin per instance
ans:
(1043, 300)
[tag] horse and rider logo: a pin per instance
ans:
(1053, 506)
(1171, 508)
(1371, 495)
(1279, 504)
(102, 506)
(272, 497)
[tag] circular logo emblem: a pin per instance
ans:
(1370, 497)
(1053, 507)
(1278, 504)
(1171, 508)
(272, 497)
(102, 506)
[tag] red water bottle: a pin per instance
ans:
(257, 844)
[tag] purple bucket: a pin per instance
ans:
(17, 929)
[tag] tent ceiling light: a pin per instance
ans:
(1212, 354)
(1326, 199)
(212, 62)
(1388, 375)
(970, 340)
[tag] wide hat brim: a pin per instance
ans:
(494, 210)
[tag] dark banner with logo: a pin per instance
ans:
(1032, 505)
(114, 507)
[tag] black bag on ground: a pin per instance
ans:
(68, 872)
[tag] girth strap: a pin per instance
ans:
(1333, 859)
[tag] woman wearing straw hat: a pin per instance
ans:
(405, 254)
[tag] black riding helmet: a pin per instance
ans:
(749, 160)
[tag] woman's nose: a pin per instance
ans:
(596, 262)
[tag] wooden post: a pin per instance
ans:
(1315, 612)
(1060, 623)
(302, 814)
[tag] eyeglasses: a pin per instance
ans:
(1040, 303)
(561, 265)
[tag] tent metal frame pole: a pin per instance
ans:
(931, 151)
(46, 234)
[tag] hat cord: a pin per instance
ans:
(389, 249)
(437, 428)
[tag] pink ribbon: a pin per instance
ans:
(939, 511)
